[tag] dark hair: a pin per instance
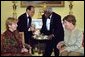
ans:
(70, 18)
(29, 7)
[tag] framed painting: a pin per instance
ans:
(41, 3)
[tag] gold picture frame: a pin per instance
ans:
(41, 3)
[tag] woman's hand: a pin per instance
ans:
(62, 49)
(24, 50)
(60, 45)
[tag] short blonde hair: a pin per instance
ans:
(9, 21)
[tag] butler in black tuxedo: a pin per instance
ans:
(24, 23)
(52, 27)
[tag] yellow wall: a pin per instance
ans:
(78, 11)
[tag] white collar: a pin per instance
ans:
(50, 16)
(72, 30)
(27, 15)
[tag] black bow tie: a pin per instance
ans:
(29, 17)
(49, 18)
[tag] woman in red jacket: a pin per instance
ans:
(11, 41)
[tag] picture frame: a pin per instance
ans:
(41, 3)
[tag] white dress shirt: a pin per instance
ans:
(48, 23)
(27, 20)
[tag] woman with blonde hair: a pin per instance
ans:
(11, 41)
